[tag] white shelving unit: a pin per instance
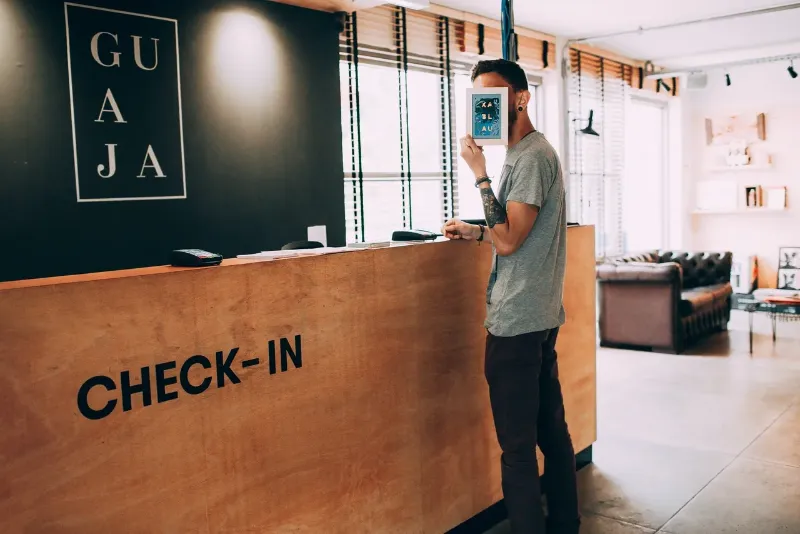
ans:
(739, 211)
(721, 189)
(742, 168)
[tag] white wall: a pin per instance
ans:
(766, 88)
(550, 121)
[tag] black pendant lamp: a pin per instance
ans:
(589, 130)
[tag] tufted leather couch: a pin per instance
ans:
(663, 300)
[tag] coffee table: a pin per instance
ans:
(777, 312)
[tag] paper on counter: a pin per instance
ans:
(278, 254)
(319, 234)
(269, 255)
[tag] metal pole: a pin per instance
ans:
(507, 30)
(718, 18)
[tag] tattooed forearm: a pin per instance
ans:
(495, 213)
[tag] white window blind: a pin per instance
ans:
(602, 87)
(480, 41)
(598, 87)
(397, 123)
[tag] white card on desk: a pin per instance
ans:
(319, 234)
(377, 244)
(278, 254)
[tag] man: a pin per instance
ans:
(526, 223)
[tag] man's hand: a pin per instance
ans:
(455, 229)
(473, 155)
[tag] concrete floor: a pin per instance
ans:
(703, 443)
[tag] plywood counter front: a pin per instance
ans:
(339, 393)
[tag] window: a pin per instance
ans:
(598, 91)
(402, 175)
(395, 121)
(605, 182)
(403, 79)
(380, 157)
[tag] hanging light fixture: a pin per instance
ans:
(792, 72)
(589, 130)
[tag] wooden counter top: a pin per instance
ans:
(167, 269)
(336, 393)
(112, 275)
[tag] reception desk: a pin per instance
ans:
(329, 394)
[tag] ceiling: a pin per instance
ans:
(700, 44)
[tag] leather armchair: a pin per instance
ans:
(663, 300)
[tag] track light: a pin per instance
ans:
(792, 72)
(727, 79)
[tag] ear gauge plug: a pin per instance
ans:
(519, 108)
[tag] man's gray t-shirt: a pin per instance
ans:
(525, 292)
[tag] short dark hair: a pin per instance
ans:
(510, 71)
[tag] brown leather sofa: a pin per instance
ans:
(663, 300)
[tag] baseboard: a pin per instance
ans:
(497, 513)
(583, 458)
(484, 521)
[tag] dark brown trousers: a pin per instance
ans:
(528, 409)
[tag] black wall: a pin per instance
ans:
(262, 139)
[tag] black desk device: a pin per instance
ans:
(193, 257)
(414, 235)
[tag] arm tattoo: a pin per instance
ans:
(495, 213)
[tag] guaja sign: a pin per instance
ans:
(125, 94)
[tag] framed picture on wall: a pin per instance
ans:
(127, 145)
(789, 268)
(789, 258)
(789, 279)
(487, 115)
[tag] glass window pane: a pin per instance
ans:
(379, 99)
(427, 205)
(425, 121)
(383, 209)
